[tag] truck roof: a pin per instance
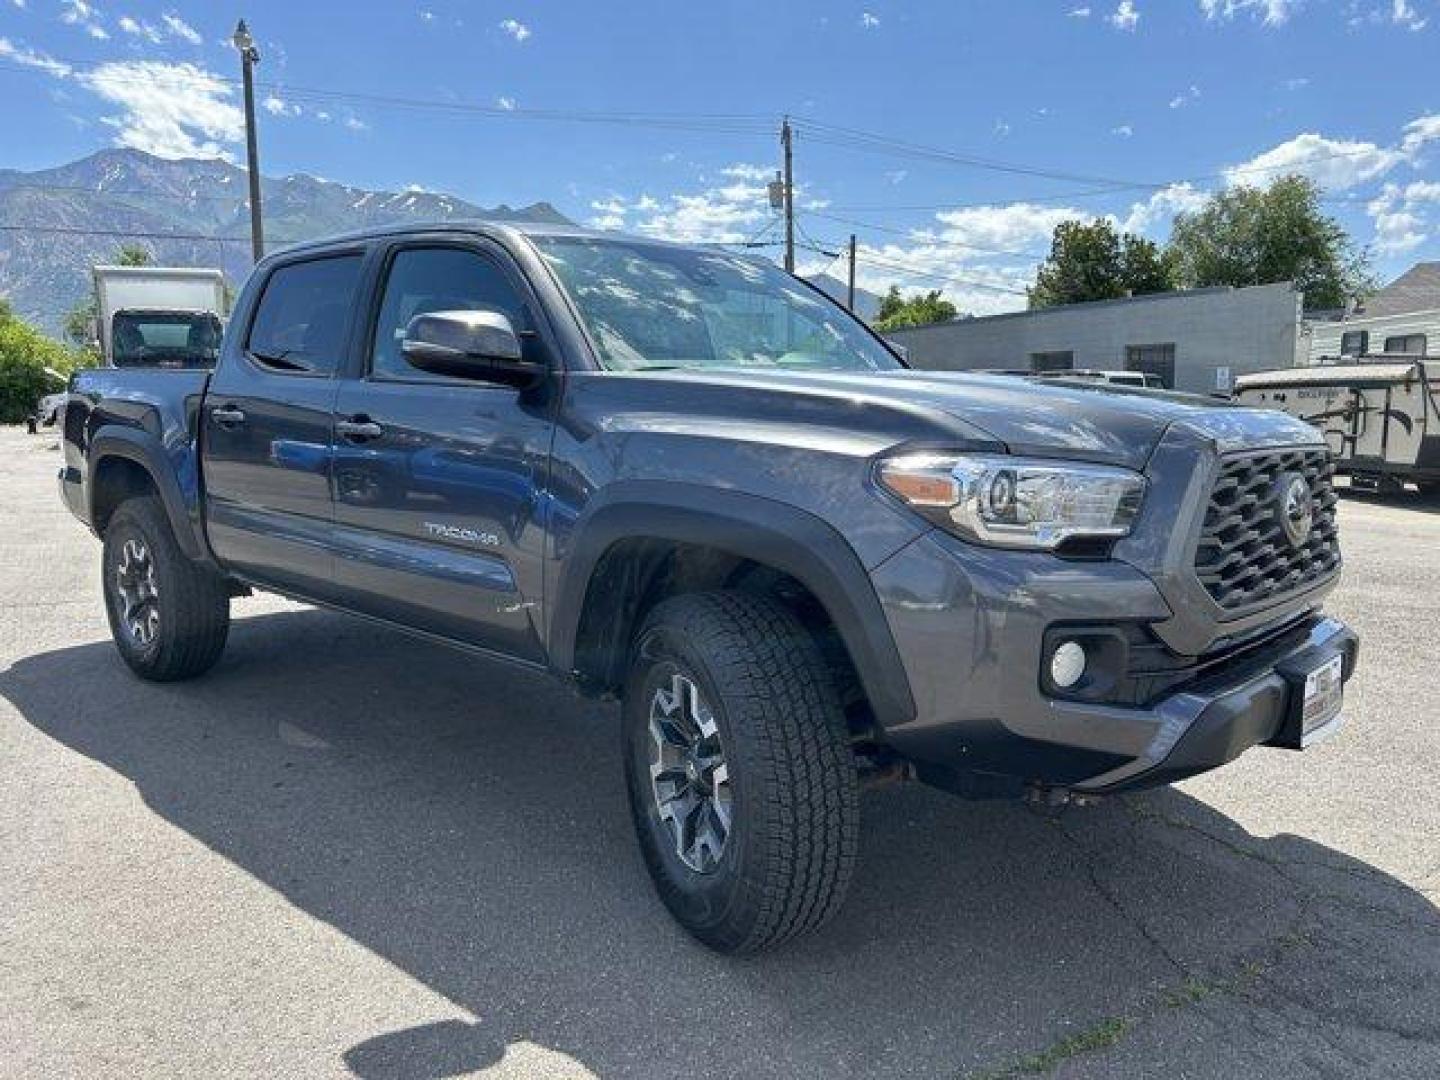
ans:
(485, 227)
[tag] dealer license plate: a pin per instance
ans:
(1324, 690)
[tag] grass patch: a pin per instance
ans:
(1102, 1036)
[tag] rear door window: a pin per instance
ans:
(301, 321)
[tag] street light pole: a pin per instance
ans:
(249, 57)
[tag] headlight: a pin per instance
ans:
(1015, 502)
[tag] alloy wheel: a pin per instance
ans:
(137, 592)
(689, 775)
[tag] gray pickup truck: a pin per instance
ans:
(685, 480)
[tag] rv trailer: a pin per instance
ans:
(1379, 414)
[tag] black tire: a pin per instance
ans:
(1429, 490)
(178, 629)
(794, 818)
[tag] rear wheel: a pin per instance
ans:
(1429, 490)
(741, 778)
(168, 615)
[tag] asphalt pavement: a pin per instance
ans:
(346, 852)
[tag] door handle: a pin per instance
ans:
(227, 416)
(358, 429)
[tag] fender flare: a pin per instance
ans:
(144, 449)
(774, 534)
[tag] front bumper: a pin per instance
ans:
(970, 625)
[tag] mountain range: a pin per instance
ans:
(55, 224)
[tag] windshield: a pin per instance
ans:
(654, 306)
(165, 339)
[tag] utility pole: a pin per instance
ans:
(850, 292)
(786, 141)
(249, 57)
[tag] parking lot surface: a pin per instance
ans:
(348, 852)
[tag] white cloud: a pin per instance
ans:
(86, 17)
(1418, 132)
(1078, 13)
(1403, 13)
(1401, 216)
(275, 105)
(179, 28)
(1335, 164)
(1125, 16)
(724, 213)
(869, 21)
(169, 110)
(1161, 208)
(135, 28)
(427, 16)
(354, 123)
(515, 28)
(1270, 12)
(1123, 130)
(1185, 97)
(1002, 128)
(1298, 83)
(897, 176)
(506, 103)
(753, 173)
(27, 57)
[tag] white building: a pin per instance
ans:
(1197, 340)
(1403, 317)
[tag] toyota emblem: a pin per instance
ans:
(1297, 509)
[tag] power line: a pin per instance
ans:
(910, 234)
(132, 234)
(737, 123)
(913, 271)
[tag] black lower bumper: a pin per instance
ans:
(1213, 722)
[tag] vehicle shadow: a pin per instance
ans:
(468, 824)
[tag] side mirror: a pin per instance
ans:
(478, 345)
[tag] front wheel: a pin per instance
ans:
(740, 772)
(169, 616)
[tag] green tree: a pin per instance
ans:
(1255, 236)
(31, 366)
(134, 255)
(897, 311)
(1094, 261)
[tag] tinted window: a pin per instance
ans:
(423, 280)
(1354, 343)
(165, 339)
(1052, 361)
(300, 323)
(1413, 344)
(1156, 360)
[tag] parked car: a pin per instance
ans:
(686, 480)
(1114, 378)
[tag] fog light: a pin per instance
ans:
(1067, 664)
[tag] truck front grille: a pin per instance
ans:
(1245, 554)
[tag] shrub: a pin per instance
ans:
(25, 353)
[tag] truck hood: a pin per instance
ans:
(1093, 422)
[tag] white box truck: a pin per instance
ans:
(1380, 415)
(159, 316)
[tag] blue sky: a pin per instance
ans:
(1181, 95)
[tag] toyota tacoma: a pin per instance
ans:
(683, 479)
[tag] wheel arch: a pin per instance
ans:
(619, 564)
(124, 462)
